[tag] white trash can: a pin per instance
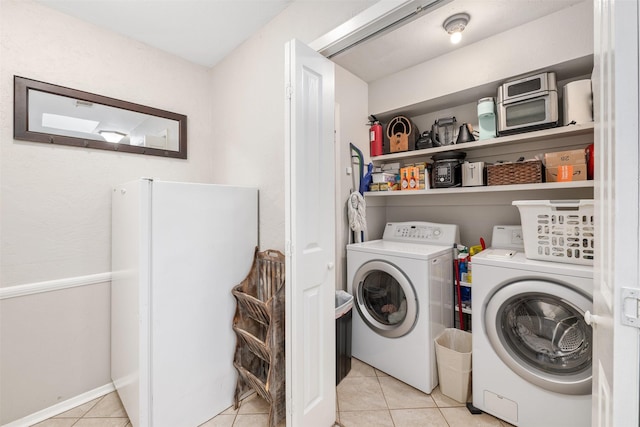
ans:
(453, 357)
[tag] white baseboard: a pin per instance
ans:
(53, 285)
(61, 407)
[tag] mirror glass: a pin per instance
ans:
(57, 115)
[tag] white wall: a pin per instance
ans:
(248, 106)
(56, 201)
(55, 346)
(351, 96)
(553, 39)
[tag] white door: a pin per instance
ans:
(310, 237)
(615, 89)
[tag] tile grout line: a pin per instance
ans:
(87, 411)
(442, 414)
(96, 404)
(384, 396)
(440, 411)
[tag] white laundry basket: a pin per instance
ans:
(558, 230)
(453, 357)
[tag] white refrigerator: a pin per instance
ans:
(177, 250)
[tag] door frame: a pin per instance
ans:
(616, 367)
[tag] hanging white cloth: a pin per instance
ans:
(356, 211)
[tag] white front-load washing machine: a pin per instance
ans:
(532, 350)
(403, 294)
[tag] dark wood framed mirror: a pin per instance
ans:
(53, 114)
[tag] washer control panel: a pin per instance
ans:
(428, 233)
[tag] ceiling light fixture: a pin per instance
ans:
(112, 135)
(455, 24)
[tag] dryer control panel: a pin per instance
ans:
(427, 233)
(507, 237)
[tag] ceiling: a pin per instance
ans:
(205, 31)
(425, 38)
(200, 31)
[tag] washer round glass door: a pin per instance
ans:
(538, 330)
(385, 299)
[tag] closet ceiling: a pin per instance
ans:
(425, 38)
(205, 31)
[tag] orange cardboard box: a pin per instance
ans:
(560, 158)
(565, 166)
(567, 173)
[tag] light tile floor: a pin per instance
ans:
(105, 411)
(369, 397)
(366, 397)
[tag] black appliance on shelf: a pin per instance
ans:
(447, 169)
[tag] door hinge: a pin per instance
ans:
(288, 91)
(288, 248)
(631, 307)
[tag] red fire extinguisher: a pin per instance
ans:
(375, 137)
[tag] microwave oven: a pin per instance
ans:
(528, 103)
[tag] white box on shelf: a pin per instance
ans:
(383, 177)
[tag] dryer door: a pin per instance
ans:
(538, 330)
(385, 299)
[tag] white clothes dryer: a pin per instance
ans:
(532, 350)
(403, 294)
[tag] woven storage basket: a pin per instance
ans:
(558, 230)
(527, 172)
(259, 327)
